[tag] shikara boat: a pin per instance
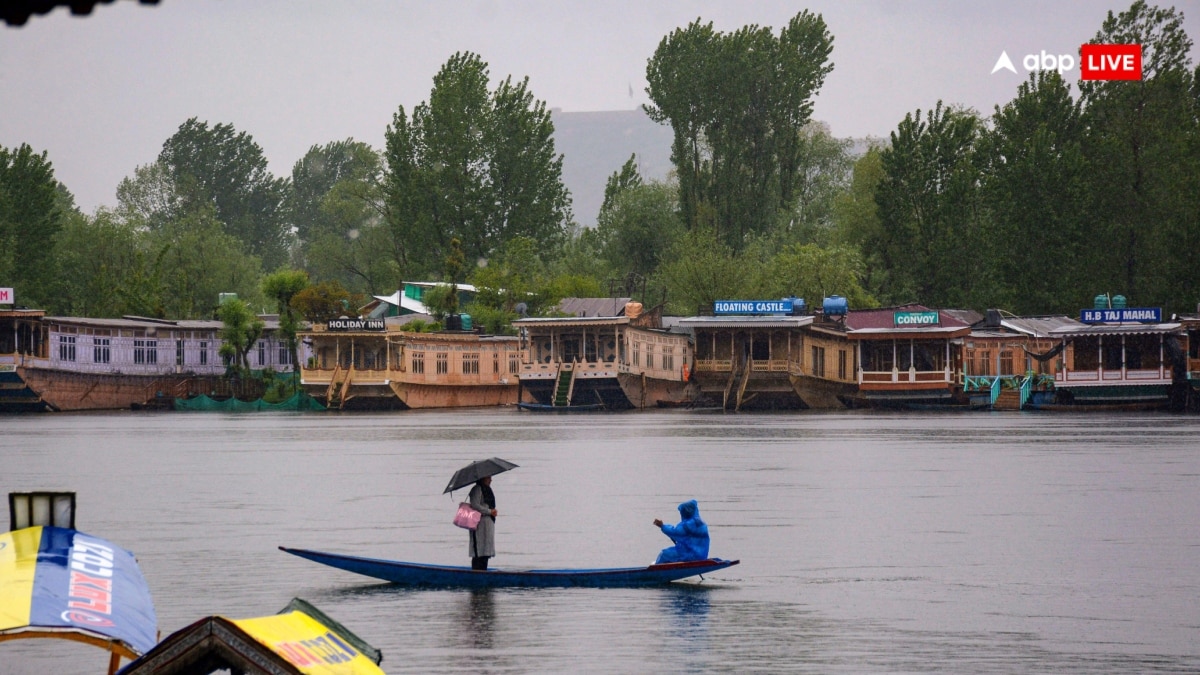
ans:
(546, 407)
(417, 574)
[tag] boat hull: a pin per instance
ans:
(416, 574)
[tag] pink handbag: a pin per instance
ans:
(467, 517)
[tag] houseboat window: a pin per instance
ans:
(1143, 352)
(981, 362)
(1086, 353)
(179, 352)
(495, 363)
(922, 355)
(668, 358)
(443, 363)
(760, 349)
(368, 359)
(1112, 352)
(145, 351)
(285, 357)
(101, 350)
(818, 361)
(877, 356)
(204, 353)
(649, 356)
(470, 364)
(346, 359)
(1006, 363)
(637, 354)
(842, 364)
(262, 352)
(66, 347)
(418, 363)
(589, 350)
(570, 348)
(514, 363)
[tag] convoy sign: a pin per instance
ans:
(752, 307)
(1129, 314)
(906, 319)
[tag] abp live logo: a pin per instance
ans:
(1110, 62)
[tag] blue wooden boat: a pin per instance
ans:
(417, 574)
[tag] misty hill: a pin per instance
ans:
(595, 144)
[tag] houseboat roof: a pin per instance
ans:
(593, 306)
(136, 322)
(1117, 329)
(554, 321)
(734, 321)
(861, 320)
(1038, 326)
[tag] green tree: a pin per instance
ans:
(811, 272)
(317, 173)
(471, 165)
(737, 104)
(1141, 150)
(98, 259)
(324, 301)
(225, 167)
(700, 269)
(928, 201)
(282, 287)
(856, 219)
(31, 213)
(195, 260)
(241, 330)
(637, 223)
(1035, 187)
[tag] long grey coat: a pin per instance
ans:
(482, 540)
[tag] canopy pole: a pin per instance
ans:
(114, 663)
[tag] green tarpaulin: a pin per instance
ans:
(298, 401)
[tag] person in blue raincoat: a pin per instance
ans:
(690, 536)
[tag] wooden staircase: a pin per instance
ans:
(1009, 399)
(562, 389)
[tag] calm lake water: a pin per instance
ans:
(870, 542)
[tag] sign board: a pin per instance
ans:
(6, 296)
(355, 324)
(752, 307)
(1129, 314)
(908, 319)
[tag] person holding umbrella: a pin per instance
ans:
(482, 540)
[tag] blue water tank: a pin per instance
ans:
(467, 323)
(835, 305)
(1118, 302)
(1101, 301)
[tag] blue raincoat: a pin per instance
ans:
(690, 536)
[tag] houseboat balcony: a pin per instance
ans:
(583, 369)
(1113, 376)
(911, 379)
(323, 376)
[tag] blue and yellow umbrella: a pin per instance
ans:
(66, 584)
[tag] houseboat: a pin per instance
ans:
(1191, 324)
(908, 356)
(830, 375)
(74, 363)
(609, 354)
(375, 363)
(1123, 358)
(1009, 360)
(748, 353)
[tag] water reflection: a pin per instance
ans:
(688, 606)
(478, 618)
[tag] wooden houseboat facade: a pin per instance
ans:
(614, 362)
(1117, 366)
(369, 364)
(748, 362)
(909, 357)
(72, 363)
(1010, 360)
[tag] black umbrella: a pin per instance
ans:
(476, 470)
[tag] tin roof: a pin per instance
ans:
(593, 306)
(1116, 329)
(735, 321)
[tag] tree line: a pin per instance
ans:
(1060, 194)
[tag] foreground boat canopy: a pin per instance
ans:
(62, 583)
(299, 640)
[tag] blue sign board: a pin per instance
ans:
(752, 307)
(1129, 314)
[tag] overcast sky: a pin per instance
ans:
(101, 93)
